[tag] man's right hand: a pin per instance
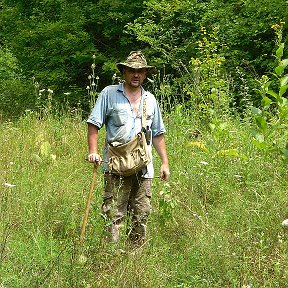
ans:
(94, 157)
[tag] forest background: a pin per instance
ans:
(222, 87)
(53, 41)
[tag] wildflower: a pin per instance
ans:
(285, 223)
(161, 192)
(213, 90)
(88, 88)
(8, 185)
(204, 163)
(41, 91)
(94, 56)
(89, 77)
(93, 66)
(50, 91)
(11, 163)
(275, 26)
(167, 185)
(66, 93)
(198, 144)
(97, 78)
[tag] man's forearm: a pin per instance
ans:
(92, 139)
(160, 146)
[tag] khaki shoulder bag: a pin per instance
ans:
(129, 158)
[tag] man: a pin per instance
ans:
(119, 108)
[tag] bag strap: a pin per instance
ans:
(144, 112)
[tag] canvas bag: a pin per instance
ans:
(129, 158)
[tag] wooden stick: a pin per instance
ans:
(85, 219)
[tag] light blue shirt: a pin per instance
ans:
(114, 110)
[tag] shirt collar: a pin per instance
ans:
(121, 89)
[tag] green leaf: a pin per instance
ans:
(260, 144)
(266, 85)
(284, 80)
(283, 90)
(256, 111)
(45, 149)
(260, 138)
(284, 153)
(272, 93)
(279, 51)
(266, 101)
(279, 70)
(284, 63)
(261, 123)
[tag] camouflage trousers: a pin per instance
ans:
(126, 196)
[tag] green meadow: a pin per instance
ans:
(215, 223)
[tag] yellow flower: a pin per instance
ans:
(275, 26)
(198, 144)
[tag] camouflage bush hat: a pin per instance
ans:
(136, 60)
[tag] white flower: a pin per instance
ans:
(42, 90)
(11, 163)
(53, 157)
(50, 91)
(285, 223)
(8, 185)
(88, 88)
(66, 93)
(204, 163)
(167, 185)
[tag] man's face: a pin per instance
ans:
(134, 77)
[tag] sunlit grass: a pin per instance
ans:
(224, 228)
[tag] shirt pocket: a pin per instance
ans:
(119, 117)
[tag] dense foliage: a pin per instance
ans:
(53, 40)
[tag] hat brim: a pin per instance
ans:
(150, 69)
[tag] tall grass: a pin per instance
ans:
(225, 198)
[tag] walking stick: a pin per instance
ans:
(85, 219)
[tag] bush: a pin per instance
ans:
(16, 96)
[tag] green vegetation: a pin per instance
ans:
(223, 93)
(53, 41)
(217, 223)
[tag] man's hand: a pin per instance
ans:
(94, 157)
(164, 172)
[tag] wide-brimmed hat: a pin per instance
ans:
(136, 60)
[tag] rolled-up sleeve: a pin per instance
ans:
(98, 114)
(157, 126)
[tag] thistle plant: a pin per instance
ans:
(93, 84)
(272, 118)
